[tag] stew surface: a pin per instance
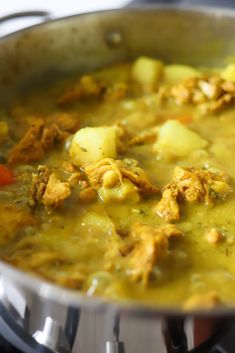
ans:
(120, 184)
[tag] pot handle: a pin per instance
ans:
(44, 15)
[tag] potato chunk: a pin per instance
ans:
(177, 140)
(176, 73)
(147, 72)
(92, 144)
(229, 73)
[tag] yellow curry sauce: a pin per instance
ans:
(138, 206)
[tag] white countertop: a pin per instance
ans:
(57, 8)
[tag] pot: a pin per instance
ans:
(38, 315)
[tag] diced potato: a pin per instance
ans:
(175, 139)
(91, 144)
(138, 121)
(229, 73)
(98, 220)
(147, 72)
(176, 73)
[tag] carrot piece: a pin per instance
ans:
(6, 175)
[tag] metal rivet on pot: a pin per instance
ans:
(114, 39)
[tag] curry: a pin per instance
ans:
(120, 184)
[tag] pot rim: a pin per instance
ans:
(69, 297)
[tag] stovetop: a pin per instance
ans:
(6, 347)
(224, 345)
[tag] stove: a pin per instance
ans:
(174, 333)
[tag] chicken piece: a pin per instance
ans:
(144, 257)
(171, 231)
(144, 231)
(130, 170)
(188, 184)
(206, 301)
(181, 94)
(168, 208)
(109, 173)
(38, 139)
(191, 185)
(68, 122)
(117, 92)
(87, 194)
(56, 191)
(223, 102)
(214, 236)
(196, 185)
(145, 137)
(214, 92)
(75, 178)
(39, 184)
(13, 220)
(150, 246)
(29, 148)
(87, 87)
(47, 189)
(96, 171)
(52, 134)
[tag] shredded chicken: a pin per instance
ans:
(29, 148)
(47, 188)
(196, 185)
(86, 87)
(39, 184)
(150, 246)
(113, 172)
(87, 194)
(68, 122)
(171, 231)
(192, 185)
(56, 191)
(168, 208)
(116, 92)
(40, 137)
(145, 137)
(213, 92)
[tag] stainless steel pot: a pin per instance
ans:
(35, 313)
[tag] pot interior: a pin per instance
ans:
(82, 43)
